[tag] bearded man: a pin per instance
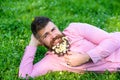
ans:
(80, 47)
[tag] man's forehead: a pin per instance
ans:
(47, 28)
(50, 23)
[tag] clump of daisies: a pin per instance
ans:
(61, 48)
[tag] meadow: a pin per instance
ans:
(17, 15)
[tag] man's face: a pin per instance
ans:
(50, 35)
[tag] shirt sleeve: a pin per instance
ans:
(106, 43)
(26, 65)
(28, 69)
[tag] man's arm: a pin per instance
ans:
(26, 65)
(106, 43)
(40, 68)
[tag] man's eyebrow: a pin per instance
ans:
(53, 28)
(45, 34)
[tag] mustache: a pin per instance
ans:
(57, 37)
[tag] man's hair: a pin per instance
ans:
(38, 23)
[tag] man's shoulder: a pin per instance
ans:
(75, 25)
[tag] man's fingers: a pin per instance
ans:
(65, 56)
(67, 60)
(68, 63)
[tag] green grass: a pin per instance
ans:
(15, 20)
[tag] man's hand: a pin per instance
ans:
(34, 41)
(75, 59)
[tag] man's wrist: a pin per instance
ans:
(33, 44)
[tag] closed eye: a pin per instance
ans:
(46, 34)
(53, 29)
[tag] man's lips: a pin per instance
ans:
(57, 41)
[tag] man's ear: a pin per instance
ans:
(40, 42)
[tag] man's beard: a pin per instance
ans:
(53, 40)
(59, 45)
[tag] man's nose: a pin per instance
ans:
(53, 35)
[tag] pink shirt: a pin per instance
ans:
(102, 47)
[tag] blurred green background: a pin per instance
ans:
(17, 15)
